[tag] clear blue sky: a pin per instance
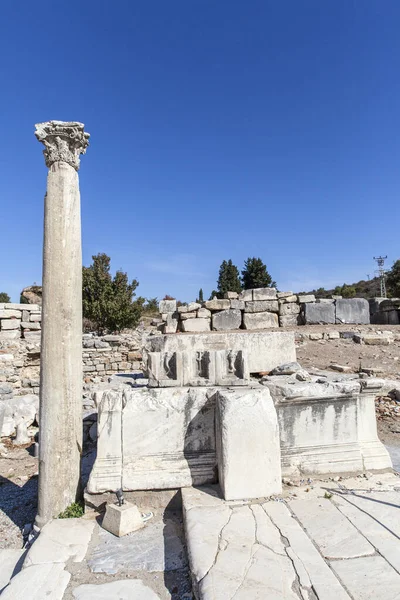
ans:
(219, 129)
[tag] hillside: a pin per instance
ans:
(362, 289)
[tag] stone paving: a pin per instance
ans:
(337, 539)
(330, 540)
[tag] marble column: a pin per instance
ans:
(60, 422)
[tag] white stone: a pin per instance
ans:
(6, 358)
(22, 436)
(262, 306)
(340, 540)
(121, 520)
(30, 325)
(61, 350)
(18, 409)
(189, 315)
(281, 295)
(246, 295)
(10, 564)
(8, 314)
(217, 304)
(167, 306)
(29, 307)
(204, 313)
(302, 299)
(40, 582)
(171, 323)
(290, 299)
(10, 324)
(288, 320)
(193, 306)
(261, 320)
(167, 439)
(226, 320)
(368, 578)
(193, 325)
(324, 582)
(10, 335)
(238, 304)
(264, 294)
(59, 541)
(264, 350)
(231, 295)
(127, 589)
(289, 308)
(36, 317)
(248, 452)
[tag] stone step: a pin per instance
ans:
(10, 564)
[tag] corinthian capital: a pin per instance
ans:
(63, 141)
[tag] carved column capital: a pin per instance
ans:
(63, 141)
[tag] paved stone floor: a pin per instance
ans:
(328, 540)
(332, 540)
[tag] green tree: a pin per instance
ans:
(214, 294)
(255, 275)
(321, 293)
(4, 297)
(201, 296)
(393, 280)
(348, 291)
(228, 278)
(107, 301)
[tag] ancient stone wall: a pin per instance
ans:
(261, 308)
(20, 321)
(102, 357)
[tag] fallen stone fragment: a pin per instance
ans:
(287, 369)
(340, 368)
(121, 520)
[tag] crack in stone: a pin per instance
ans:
(252, 555)
(219, 546)
(256, 537)
(296, 587)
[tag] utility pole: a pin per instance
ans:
(381, 273)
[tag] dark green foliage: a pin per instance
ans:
(214, 294)
(23, 300)
(201, 296)
(228, 279)
(108, 301)
(255, 275)
(150, 305)
(4, 297)
(393, 280)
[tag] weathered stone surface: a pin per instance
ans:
(264, 294)
(30, 325)
(368, 578)
(167, 306)
(6, 358)
(288, 320)
(59, 541)
(289, 308)
(193, 325)
(18, 409)
(262, 306)
(126, 589)
(238, 304)
(231, 295)
(226, 320)
(340, 540)
(248, 452)
(246, 295)
(264, 350)
(325, 301)
(352, 310)
(167, 440)
(287, 369)
(38, 582)
(121, 520)
(203, 313)
(285, 299)
(317, 313)
(10, 335)
(193, 306)
(305, 554)
(217, 304)
(8, 314)
(262, 320)
(182, 309)
(10, 324)
(29, 307)
(171, 324)
(302, 299)
(281, 295)
(157, 547)
(10, 564)
(189, 315)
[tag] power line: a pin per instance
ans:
(381, 273)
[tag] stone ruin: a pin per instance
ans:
(201, 418)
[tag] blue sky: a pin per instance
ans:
(218, 130)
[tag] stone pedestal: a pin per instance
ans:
(121, 520)
(248, 452)
(61, 349)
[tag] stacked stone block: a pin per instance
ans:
(20, 320)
